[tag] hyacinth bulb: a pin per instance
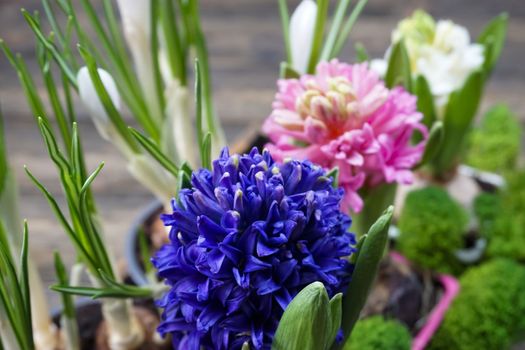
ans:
(244, 240)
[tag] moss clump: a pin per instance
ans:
(488, 311)
(495, 144)
(375, 333)
(487, 207)
(431, 228)
(507, 235)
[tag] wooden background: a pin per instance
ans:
(246, 47)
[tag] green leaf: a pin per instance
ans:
(425, 102)
(111, 111)
(335, 29)
(24, 279)
(398, 71)
(493, 38)
(365, 270)
(150, 147)
(206, 151)
(61, 61)
(109, 292)
(334, 175)
(285, 23)
(68, 305)
(336, 312)
(174, 48)
(306, 323)
(317, 40)
(3, 155)
(360, 53)
(460, 112)
(287, 71)
(345, 31)
(434, 142)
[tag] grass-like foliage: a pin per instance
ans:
(495, 144)
(488, 312)
(432, 226)
(15, 300)
(378, 333)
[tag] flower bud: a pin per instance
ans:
(302, 27)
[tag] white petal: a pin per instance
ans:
(302, 26)
(89, 95)
(96, 110)
(379, 66)
(135, 15)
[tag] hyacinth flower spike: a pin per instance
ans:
(245, 237)
(438, 62)
(344, 116)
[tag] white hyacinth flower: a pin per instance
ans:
(450, 59)
(302, 27)
(440, 51)
(96, 110)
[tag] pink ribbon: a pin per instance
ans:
(451, 288)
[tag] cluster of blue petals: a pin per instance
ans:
(245, 239)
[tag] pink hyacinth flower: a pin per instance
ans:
(345, 116)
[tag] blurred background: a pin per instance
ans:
(246, 47)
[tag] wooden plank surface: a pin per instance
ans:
(245, 50)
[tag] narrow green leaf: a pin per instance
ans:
(24, 281)
(154, 47)
(206, 151)
(61, 273)
(201, 51)
(3, 155)
(365, 270)
(335, 29)
(98, 293)
(111, 110)
(360, 53)
(155, 152)
(285, 24)
(493, 38)
(336, 312)
(172, 40)
(33, 24)
(425, 102)
(62, 219)
(317, 41)
(398, 71)
(434, 142)
(459, 114)
(334, 175)
(345, 32)
(198, 108)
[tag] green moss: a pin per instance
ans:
(488, 311)
(495, 144)
(487, 207)
(507, 235)
(431, 228)
(376, 333)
